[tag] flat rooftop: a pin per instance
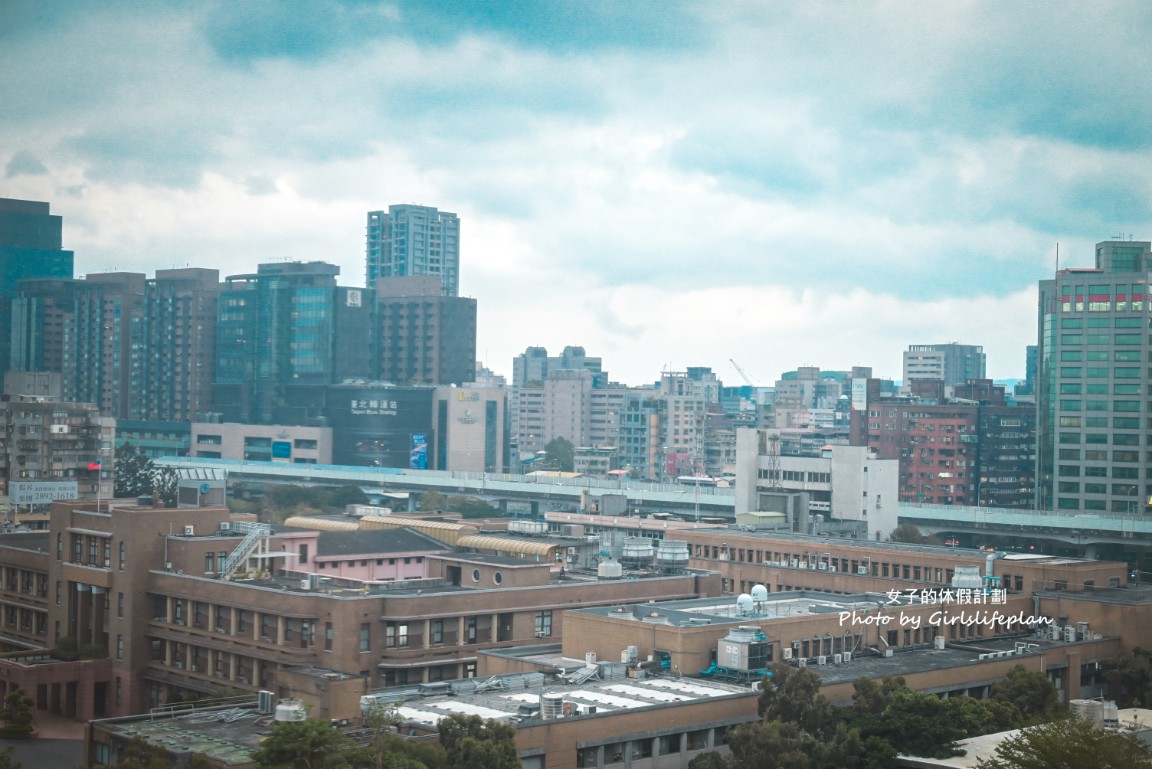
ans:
(228, 734)
(724, 610)
(600, 690)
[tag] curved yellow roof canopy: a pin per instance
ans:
(506, 545)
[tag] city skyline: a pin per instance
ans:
(664, 186)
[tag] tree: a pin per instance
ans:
(560, 454)
(385, 749)
(470, 507)
(139, 754)
(134, 472)
(432, 501)
(165, 485)
(1129, 678)
(793, 695)
(7, 760)
(304, 744)
(472, 742)
(1071, 743)
(1030, 692)
(16, 715)
(907, 532)
(138, 476)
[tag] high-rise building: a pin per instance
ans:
(98, 354)
(414, 240)
(41, 318)
(30, 247)
(424, 337)
(174, 354)
(276, 337)
(1092, 384)
(952, 363)
(974, 449)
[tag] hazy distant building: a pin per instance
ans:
(53, 442)
(173, 372)
(1092, 383)
(424, 337)
(951, 363)
(470, 428)
(974, 449)
(277, 337)
(101, 343)
(534, 364)
(30, 247)
(41, 318)
(414, 240)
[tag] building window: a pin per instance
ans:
(437, 631)
(328, 636)
(123, 555)
(303, 553)
(119, 647)
(365, 636)
(120, 605)
(396, 634)
(544, 623)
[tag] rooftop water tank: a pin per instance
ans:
(672, 556)
(551, 705)
(609, 570)
(637, 552)
(290, 710)
(968, 577)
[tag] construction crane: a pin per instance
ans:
(740, 371)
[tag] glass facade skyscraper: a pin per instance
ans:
(1092, 394)
(30, 247)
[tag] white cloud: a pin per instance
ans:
(786, 187)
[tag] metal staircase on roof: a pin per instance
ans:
(257, 537)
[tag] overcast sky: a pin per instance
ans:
(668, 184)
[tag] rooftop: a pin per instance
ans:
(720, 611)
(375, 541)
(582, 689)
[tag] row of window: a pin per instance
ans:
(1075, 323)
(1120, 305)
(1102, 372)
(1118, 423)
(1077, 404)
(646, 748)
(1130, 505)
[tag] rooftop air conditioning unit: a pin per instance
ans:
(837, 659)
(225, 525)
(822, 660)
(847, 656)
(787, 653)
(801, 663)
(189, 530)
(862, 570)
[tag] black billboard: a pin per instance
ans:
(381, 425)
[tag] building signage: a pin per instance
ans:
(859, 394)
(418, 455)
(374, 408)
(41, 492)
